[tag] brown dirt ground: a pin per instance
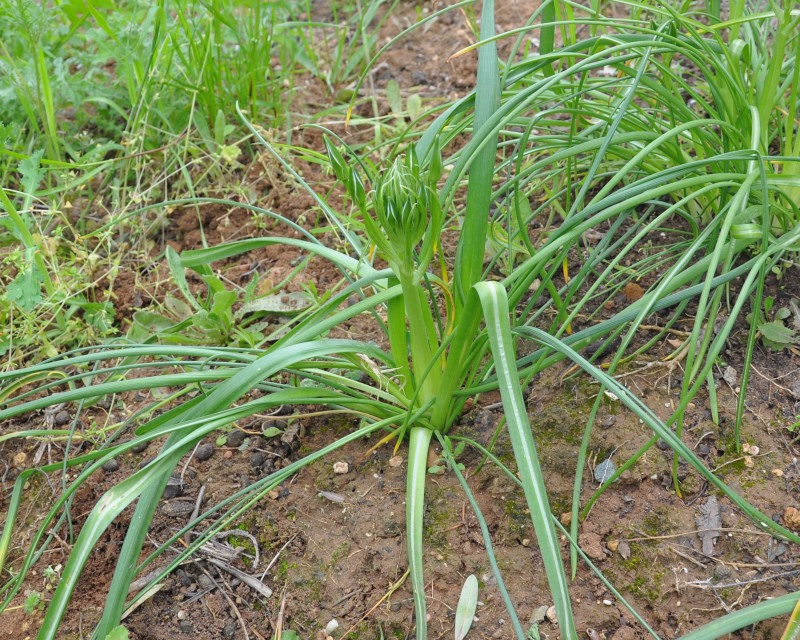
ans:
(344, 560)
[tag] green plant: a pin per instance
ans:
(621, 156)
(34, 603)
(772, 327)
(225, 317)
(467, 604)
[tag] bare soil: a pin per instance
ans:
(336, 541)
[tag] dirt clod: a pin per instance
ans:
(204, 452)
(791, 518)
(592, 545)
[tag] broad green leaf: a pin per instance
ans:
(776, 334)
(118, 633)
(26, 289)
(393, 97)
(31, 172)
(414, 106)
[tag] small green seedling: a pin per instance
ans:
(118, 633)
(467, 605)
(33, 603)
(772, 327)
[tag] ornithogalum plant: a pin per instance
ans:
(436, 356)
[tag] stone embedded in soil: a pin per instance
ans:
(204, 452)
(177, 508)
(592, 545)
(257, 459)
(341, 467)
(205, 582)
(791, 518)
(604, 471)
(229, 630)
(235, 438)
(608, 421)
(139, 447)
(62, 418)
(417, 77)
(538, 615)
(111, 466)
(551, 615)
(173, 489)
(625, 633)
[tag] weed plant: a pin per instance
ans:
(111, 110)
(632, 131)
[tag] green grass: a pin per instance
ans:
(110, 110)
(579, 156)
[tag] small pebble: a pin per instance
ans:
(417, 77)
(20, 458)
(332, 626)
(139, 447)
(186, 627)
(538, 615)
(177, 508)
(173, 489)
(608, 422)
(204, 452)
(341, 467)
(182, 615)
(235, 438)
(395, 461)
(229, 630)
(526, 542)
(62, 418)
(111, 466)
(257, 459)
(608, 603)
(551, 615)
(205, 582)
(604, 471)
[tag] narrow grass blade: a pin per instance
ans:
(151, 479)
(487, 541)
(472, 242)
(746, 617)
